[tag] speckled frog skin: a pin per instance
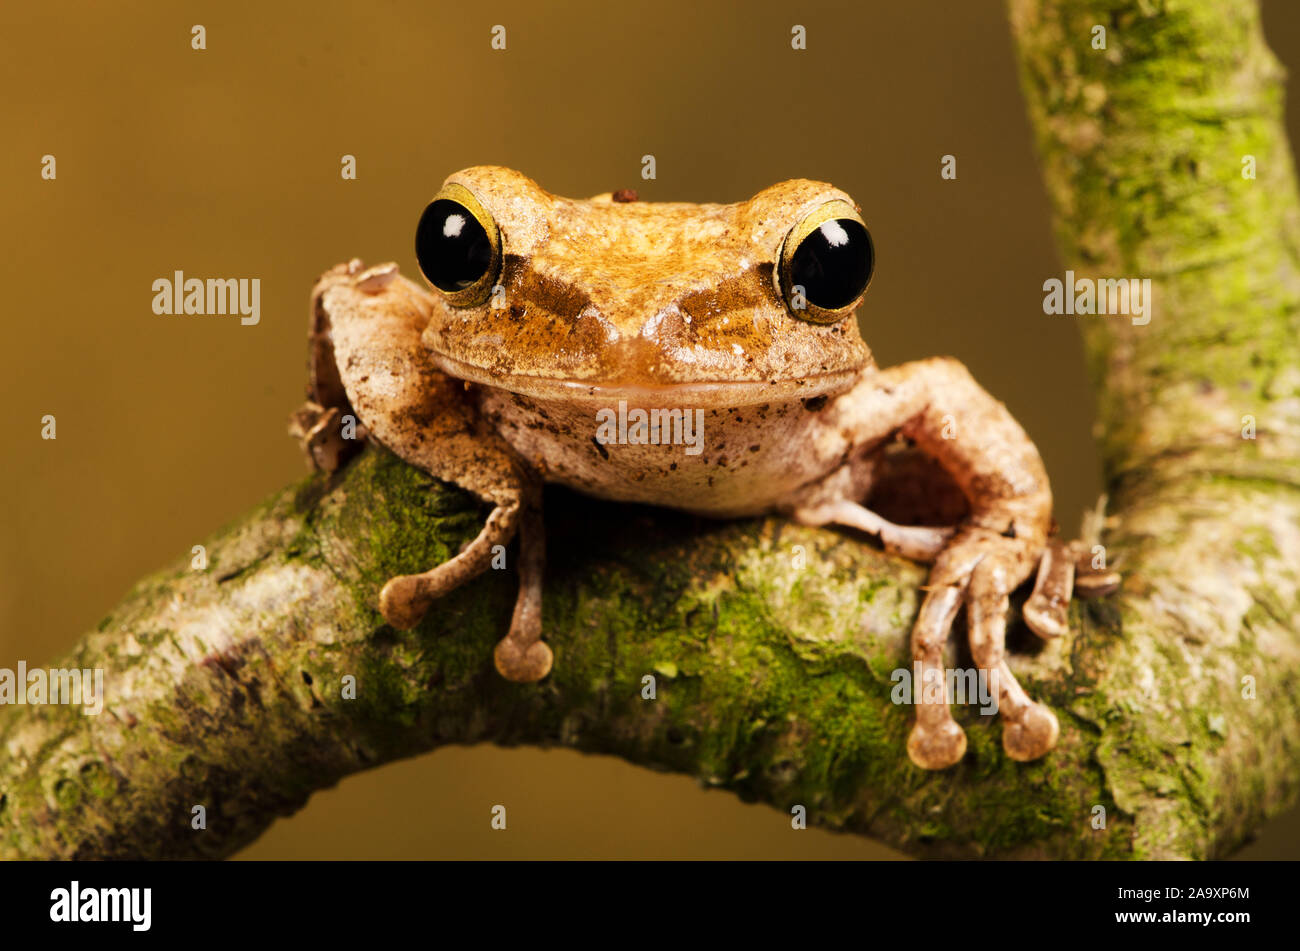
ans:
(549, 316)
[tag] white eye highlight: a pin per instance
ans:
(834, 233)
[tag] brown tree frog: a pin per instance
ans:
(723, 340)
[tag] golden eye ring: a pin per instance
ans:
(826, 263)
(458, 247)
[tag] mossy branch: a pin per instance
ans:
(1177, 697)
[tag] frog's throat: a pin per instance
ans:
(704, 394)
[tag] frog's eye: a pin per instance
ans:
(458, 246)
(826, 263)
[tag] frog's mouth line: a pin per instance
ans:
(688, 394)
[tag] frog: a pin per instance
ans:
(538, 316)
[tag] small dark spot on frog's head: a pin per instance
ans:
(306, 678)
(675, 736)
(815, 403)
(625, 195)
(1010, 530)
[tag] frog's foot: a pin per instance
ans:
(521, 655)
(979, 568)
(405, 599)
(918, 542)
(319, 432)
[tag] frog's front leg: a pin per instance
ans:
(937, 405)
(367, 358)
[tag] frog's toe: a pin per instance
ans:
(375, 279)
(1045, 616)
(938, 746)
(523, 664)
(936, 741)
(403, 602)
(1046, 609)
(1093, 582)
(918, 542)
(1032, 735)
(319, 432)
(1029, 728)
(405, 599)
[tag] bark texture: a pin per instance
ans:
(772, 645)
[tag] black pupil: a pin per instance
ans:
(452, 247)
(833, 264)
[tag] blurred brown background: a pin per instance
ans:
(225, 163)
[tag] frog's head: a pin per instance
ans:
(713, 304)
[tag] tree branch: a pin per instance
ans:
(226, 686)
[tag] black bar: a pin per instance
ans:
(646, 901)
